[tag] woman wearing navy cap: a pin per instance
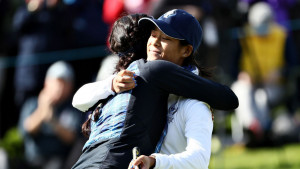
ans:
(137, 117)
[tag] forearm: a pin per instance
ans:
(218, 96)
(176, 80)
(195, 156)
(185, 159)
(89, 94)
(33, 123)
(197, 121)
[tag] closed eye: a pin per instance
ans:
(153, 34)
(166, 38)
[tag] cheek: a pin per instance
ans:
(148, 45)
(166, 50)
(149, 42)
(147, 48)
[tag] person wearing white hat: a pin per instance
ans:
(48, 123)
(265, 58)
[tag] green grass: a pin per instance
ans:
(238, 157)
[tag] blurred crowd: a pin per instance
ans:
(49, 48)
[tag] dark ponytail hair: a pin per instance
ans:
(129, 40)
(86, 126)
(193, 59)
(94, 114)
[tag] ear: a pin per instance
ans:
(187, 50)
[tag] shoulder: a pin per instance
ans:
(278, 31)
(194, 109)
(160, 65)
(190, 104)
(133, 65)
(161, 69)
(136, 66)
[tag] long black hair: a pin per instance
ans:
(193, 59)
(129, 41)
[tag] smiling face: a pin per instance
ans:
(162, 47)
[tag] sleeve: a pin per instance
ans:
(89, 94)
(198, 131)
(176, 80)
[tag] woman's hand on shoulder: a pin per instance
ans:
(124, 81)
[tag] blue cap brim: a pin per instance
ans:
(163, 26)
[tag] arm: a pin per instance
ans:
(33, 123)
(198, 131)
(44, 114)
(174, 79)
(89, 94)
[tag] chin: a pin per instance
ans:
(153, 57)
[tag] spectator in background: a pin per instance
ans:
(264, 61)
(194, 7)
(48, 123)
(41, 26)
(113, 9)
(7, 51)
(281, 7)
(107, 67)
(88, 26)
(89, 33)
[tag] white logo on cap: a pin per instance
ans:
(170, 13)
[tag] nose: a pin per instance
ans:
(156, 41)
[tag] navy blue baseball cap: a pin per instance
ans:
(180, 25)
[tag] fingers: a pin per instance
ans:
(121, 84)
(142, 161)
(124, 81)
(121, 87)
(131, 166)
(139, 160)
(126, 73)
(126, 76)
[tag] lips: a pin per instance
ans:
(155, 51)
(154, 55)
